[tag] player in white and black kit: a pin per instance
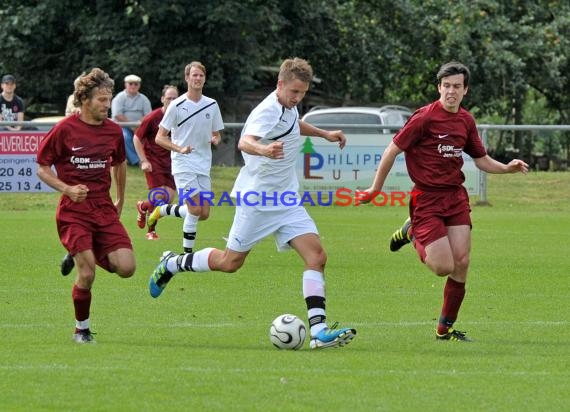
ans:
(190, 126)
(270, 142)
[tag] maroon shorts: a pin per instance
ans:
(433, 212)
(91, 225)
(159, 179)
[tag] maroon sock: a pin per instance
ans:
(453, 294)
(81, 302)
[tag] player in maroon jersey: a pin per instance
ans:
(155, 162)
(434, 140)
(86, 149)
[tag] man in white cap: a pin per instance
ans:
(11, 106)
(130, 106)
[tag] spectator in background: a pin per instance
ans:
(11, 105)
(155, 160)
(130, 106)
(71, 107)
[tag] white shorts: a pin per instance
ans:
(251, 225)
(193, 181)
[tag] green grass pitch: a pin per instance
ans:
(203, 345)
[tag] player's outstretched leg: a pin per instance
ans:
(161, 276)
(401, 236)
(332, 337)
(67, 264)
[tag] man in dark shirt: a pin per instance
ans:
(11, 105)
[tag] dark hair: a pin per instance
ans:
(87, 83)
(166, 87)
(453, 68)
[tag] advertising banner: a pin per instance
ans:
(18, 162)
(322, 166)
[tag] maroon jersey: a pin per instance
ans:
(434, 140)
(83, 153)
(158, 156)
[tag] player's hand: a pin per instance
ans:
(364, 196)
(517, 165)
(119, 206)
(186, 150)
(274, 150)
(336, 136)
(146, 166)
(77, 193)
(215, 139)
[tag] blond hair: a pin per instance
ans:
(194, 64)
(296, 68)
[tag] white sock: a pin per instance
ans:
(82, 324)
(189, 231)
(173, 210)
(172, 265)
(314, 285)
(200, 260)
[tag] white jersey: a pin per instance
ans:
(270, 121)
(192, 124)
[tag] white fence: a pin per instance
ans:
(320, 166)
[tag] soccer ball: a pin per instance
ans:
(287, 332)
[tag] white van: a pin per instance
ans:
(393, 116)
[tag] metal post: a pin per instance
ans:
(483, 176)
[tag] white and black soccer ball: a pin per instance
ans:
(287, 332)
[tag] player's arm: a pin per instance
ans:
(163, 139)
(216, 138)
(250, 145)
(145, 164)
(119, 173)
(77, 193)
(490, 165)
(330, 135)
(386, 163)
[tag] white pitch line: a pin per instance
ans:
(403, 324)
(295, 372)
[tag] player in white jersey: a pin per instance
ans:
(190, 126)
(270, 142)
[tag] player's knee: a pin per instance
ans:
(317, 259)
(127, 273)
(86, 278)
(126, 270)
(442, 268)
(462, 264)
